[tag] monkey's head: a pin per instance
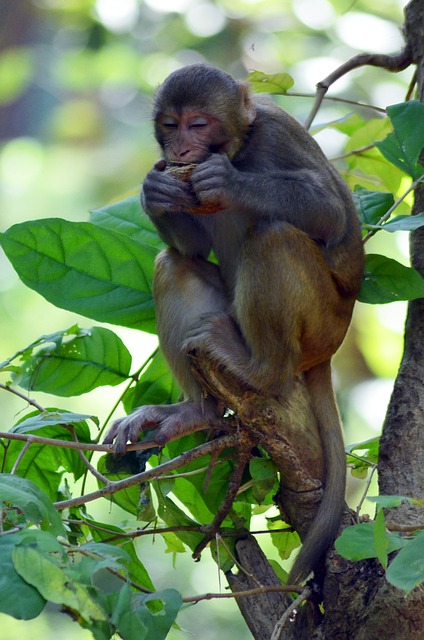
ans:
(200, 110)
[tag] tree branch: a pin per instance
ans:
(176, 463)
(395, 63)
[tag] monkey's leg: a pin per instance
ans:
(184, 289)
(288, 306)
(288, 314)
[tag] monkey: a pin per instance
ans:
(278, 302)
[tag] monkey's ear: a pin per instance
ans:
(249, 107)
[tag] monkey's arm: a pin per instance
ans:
(306, 197)
(164, 199)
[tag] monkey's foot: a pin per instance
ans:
(218, 336)
(169, 422)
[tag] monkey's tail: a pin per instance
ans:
(325, 525)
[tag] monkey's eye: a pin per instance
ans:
(169, 123)
(198, 122)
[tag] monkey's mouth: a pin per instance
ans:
(181, 164)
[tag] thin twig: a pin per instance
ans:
(150, 474)
(239, 565)
(87, 462)
(354, 152)
(66, 444)
(30, 401)
(365, 491)
(130, 535)
(392, 208)
(20, 456)
(226, 504)
(276, 634)
(397, 62)
(411, 86)
(287, 588)
(355, 103)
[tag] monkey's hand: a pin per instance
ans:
(163, 193)
(212, 178)
(166, 422)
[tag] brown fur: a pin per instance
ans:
(290, 259)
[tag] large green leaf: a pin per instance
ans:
(85, 268)
(173, 516)
(371, 205)
(127, 217)
(386, 280)
(145, 617)
(35, 505)
(44, 571)
(45, 465)
(18, 598)
(401, 223)
(156, 385)
(358, 542)
(404, 146)
(52, 424)
(407, 569)
(93, 358)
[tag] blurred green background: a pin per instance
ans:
(76, 81)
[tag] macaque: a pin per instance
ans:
(290, 260)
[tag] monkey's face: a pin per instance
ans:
(189, 136)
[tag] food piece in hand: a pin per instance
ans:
(183, 172)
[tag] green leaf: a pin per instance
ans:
(386, 280)
(366, 456)
(224, 554)
(402, 223)
(264, 474)
(407, 569)
(389, 502)
(358, 542)
(381, 541)
(281, 574)
(86, 269)
(371, 205)
(134, 619)
(368, 167)
(37, 508)
(270, 82)
(173, 544)
(94, 358)
(53, 582)
(173, 516)
(127, 217)
(348, 124)
(156, 385)
(403, 147)
(43, 464)
(262, 468)
(18, 598)
(129, 498)
(59, 419)
(368, 450)
(193, 500)
(137, 572)
(284, 542)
